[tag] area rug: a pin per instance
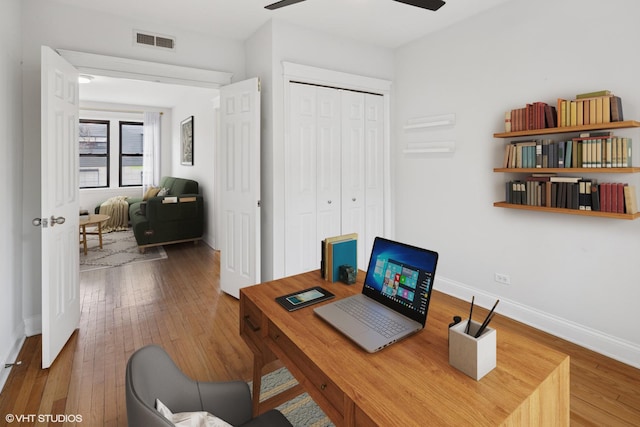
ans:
(118, 248)
(301, 411)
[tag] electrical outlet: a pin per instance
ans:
(502, 278)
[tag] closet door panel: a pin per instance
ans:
(328, 164)
(301, 182)
(373, 171)
(353, 168)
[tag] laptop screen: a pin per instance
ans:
(401, 276)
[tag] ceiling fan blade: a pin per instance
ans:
(424, 4)
(282, 3)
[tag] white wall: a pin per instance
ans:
(63, 27)
(11, 214)
(574, 276)
(259, 52)
(307, 47)
(201, 107)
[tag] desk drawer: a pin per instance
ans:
(251, 327)
(322, 384)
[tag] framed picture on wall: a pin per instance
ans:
(186, 141)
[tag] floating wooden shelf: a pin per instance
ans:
(568, 211)
(567, 129)
(568, 170)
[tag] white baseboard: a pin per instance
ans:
(591, 339)
(11, 355)
(33, 325)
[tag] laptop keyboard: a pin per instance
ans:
(377, 321)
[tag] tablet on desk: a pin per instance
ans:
(304, 298)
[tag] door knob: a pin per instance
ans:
(37, 222)
(58, 220)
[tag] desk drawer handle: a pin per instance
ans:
(254, 328)
(323, 387)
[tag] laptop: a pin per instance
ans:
(395, 297)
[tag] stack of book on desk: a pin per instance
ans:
(337, 251)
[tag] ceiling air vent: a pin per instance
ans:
(164, 42)
(156, 40)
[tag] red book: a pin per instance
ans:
(620, 191)
(605, 197)
(613, 197)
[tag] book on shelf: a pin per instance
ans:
(568, 154)
(336, 251)
(616, 109)
(574, 193)
(584, 198)
(593, 94)
(595, 197)
(573, 179)
(520, 154)
(630, 200)
(596, 151)
(561, 111)
(605, 197)
(617, 200)
(551, 116)
(585, 109)
(573, 113)
(561, 147)
(534, 115)
(580, 113)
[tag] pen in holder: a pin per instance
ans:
(476, 357)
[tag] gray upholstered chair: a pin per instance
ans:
(151, 375)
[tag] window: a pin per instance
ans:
(93, 136)
(131, 154)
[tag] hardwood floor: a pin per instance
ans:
(177, 303)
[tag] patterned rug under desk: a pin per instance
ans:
(301, 411)
(118, 248)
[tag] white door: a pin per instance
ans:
(373, 175)
(334, 172)
(312, 175)
(328, 162)
(59, 204)
(240, 186)
(353, 162)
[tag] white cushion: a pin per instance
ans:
(191, 419)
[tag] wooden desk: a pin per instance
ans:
(93, 220)
(409, 383)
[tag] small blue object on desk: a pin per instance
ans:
(344, 252)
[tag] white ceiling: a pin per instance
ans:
(384, 23)
(138, 92)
